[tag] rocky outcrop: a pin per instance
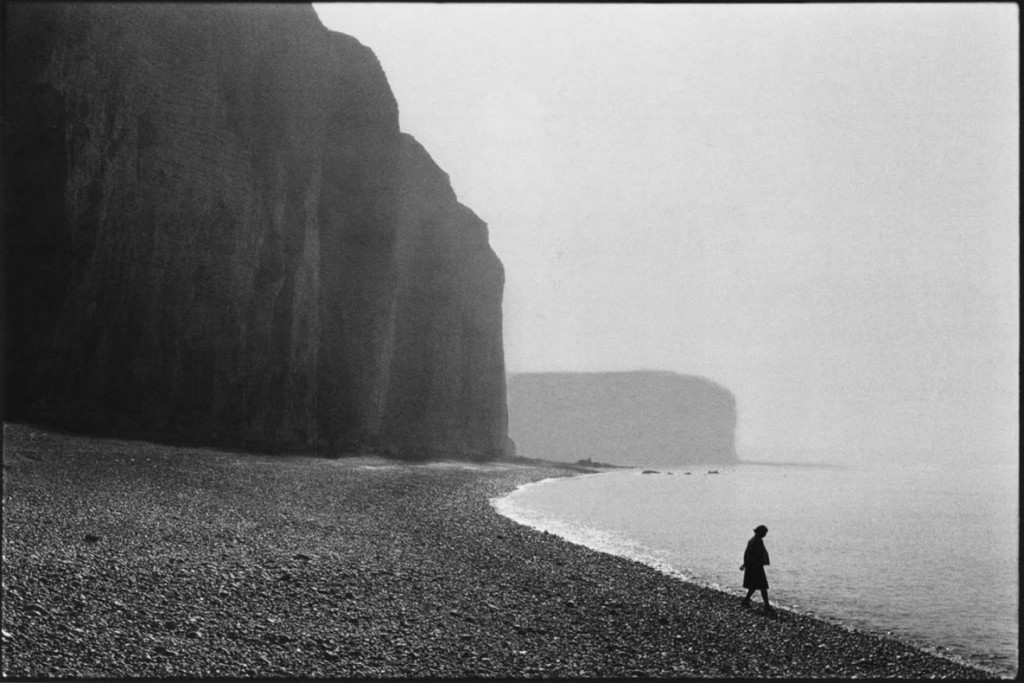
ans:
(216, 233)
(624, 418)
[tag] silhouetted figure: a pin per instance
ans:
(755, 559)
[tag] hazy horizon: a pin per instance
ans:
(814, 206)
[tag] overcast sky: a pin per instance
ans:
(813, 205)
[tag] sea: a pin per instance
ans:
(926, 553)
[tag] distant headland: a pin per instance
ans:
(643, 418)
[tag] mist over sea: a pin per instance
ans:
(925, 551)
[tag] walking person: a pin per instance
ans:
(755, 559)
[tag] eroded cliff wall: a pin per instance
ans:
(215, 232)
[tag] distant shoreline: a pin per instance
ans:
(769, 463)
(125, 559)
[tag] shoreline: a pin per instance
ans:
(620, 549)
(130, 559)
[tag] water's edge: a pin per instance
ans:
(504, 505)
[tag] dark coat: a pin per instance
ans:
(755, 558)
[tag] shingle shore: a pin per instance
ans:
(129, 559)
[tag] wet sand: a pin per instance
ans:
(128, 559)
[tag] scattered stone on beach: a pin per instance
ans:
(398, 571)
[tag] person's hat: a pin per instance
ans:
(761, 529)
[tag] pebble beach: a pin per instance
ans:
(131, 559)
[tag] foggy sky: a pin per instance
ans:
(813, 205)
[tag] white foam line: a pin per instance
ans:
(588, 537)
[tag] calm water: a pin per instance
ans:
(928, 553)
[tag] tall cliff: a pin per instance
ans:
(215, 232)
(622, 418)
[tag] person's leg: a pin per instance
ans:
(746, 600)
(764, 597)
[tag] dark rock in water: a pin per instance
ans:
(652, 418)
(650, 472)
(216, 233)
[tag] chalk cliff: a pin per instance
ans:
(622, 418)
(215, 232)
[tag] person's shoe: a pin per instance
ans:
(745, 602)
(768, 609)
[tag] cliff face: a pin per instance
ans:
(215, 232)
(622, 418)
(448, 368)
